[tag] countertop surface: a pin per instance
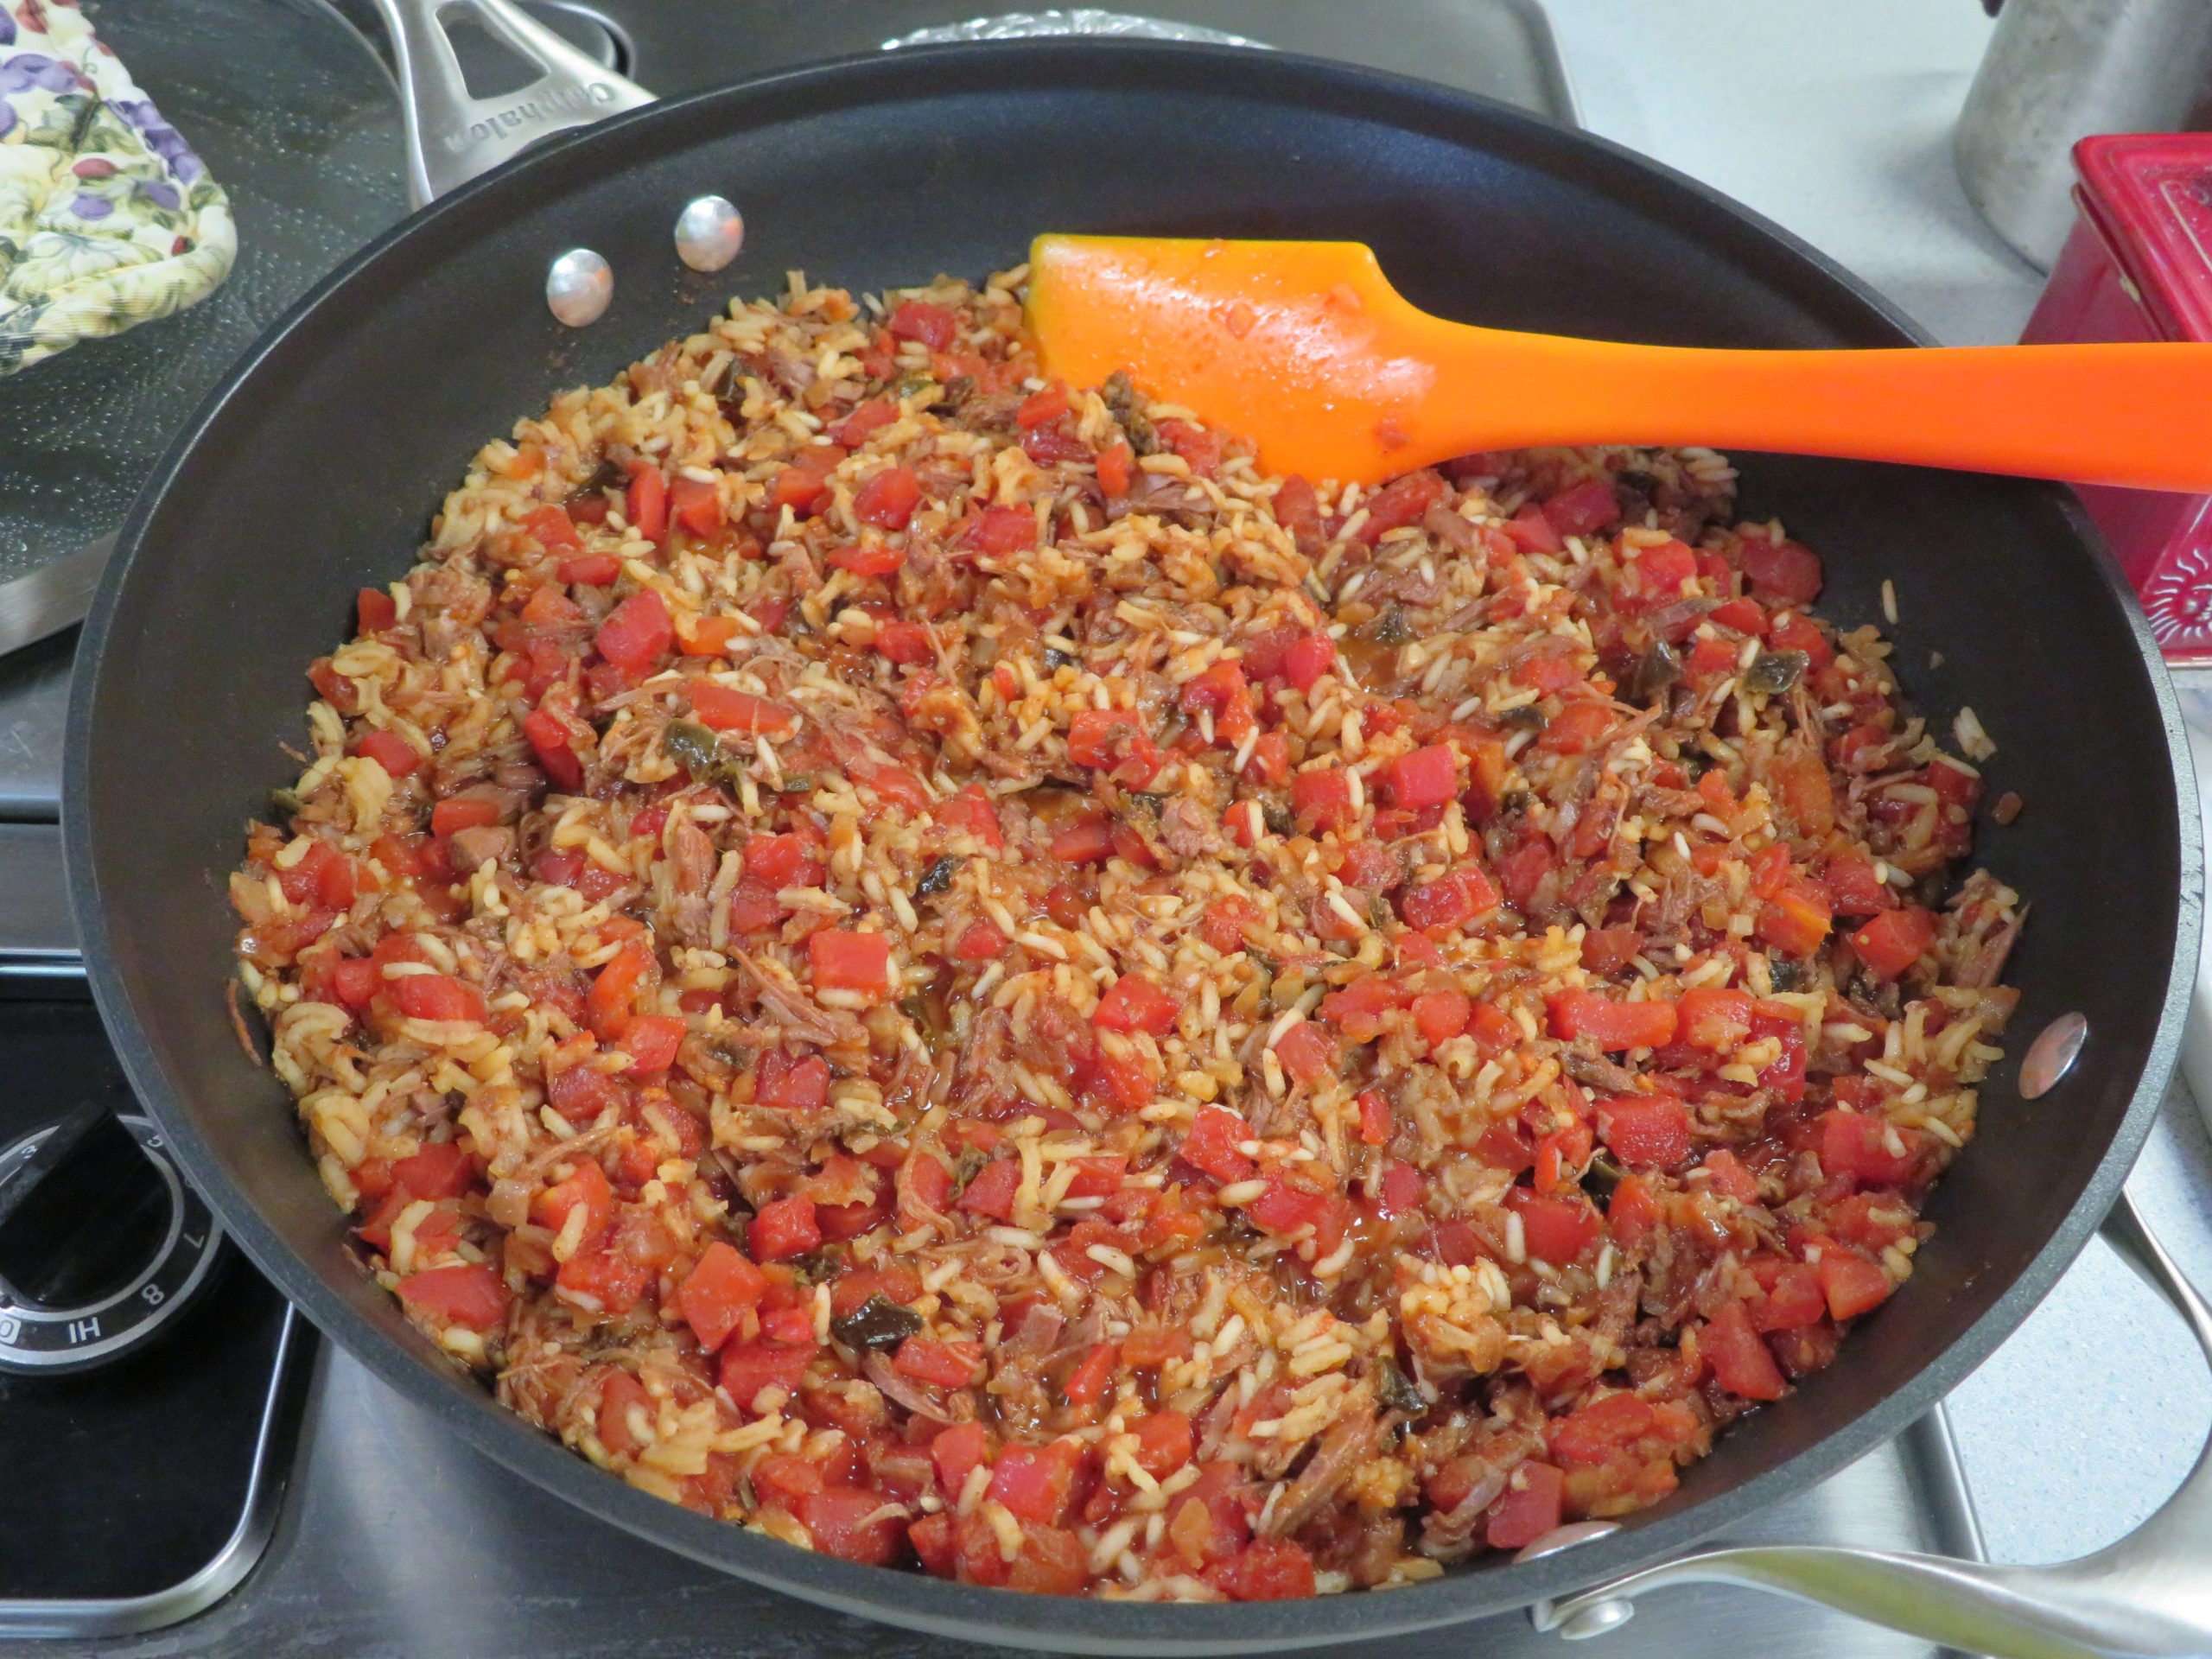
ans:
(1835, 122)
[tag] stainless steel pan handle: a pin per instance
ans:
(453, 137)
(2147, 1596)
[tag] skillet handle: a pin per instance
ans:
(452, 136)
(2147, 1596)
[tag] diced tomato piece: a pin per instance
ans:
(1781, 572)
(1632, 1212)
(591, 569)
(725, 711)
(462, 812)
(1000, 530)
(1645, 1131)
(935, 326)
(1089, 1379)
(1041, 407)
(1284, 1208)
(941, 1364)
(1128, 1082)
(888, 499)
(1134, 1003)
(637, 633)
(866, 418)
(902, 642)
(1529, 1508)
(376, 610)
(971, 812)
(804, 485)
(979, 941)
(651, 1040)
(1441, 1015)
(1084, 841)
(713, 1297)
(1853, 887)
(1584, 509)
(1729, 1177)
(845, 960)
(390, 751)
(550, 737)
(1557, 1230)
(748, 1367)
(956, 1451)
(1797, 920)
(645, 505)
(1210, 1146)
(1744, 616)
(469, 1294)
(440, 1170)
(1576, 727)
(1114, 741)
(614, 989)
(1034, 1482)
(1533, 531)
(1306, 1053)
(1856, 1145)
(1656, 576)
(696, 504)
(1450, 900)
(1851, 1284)
(1427, 777)
(1271, 1569)
(1715, 1019)
(1895, 940)
(1739, 1359)
(791, 1084)
(991, 1192)
(620, 1395)
(785, 861)
(785, 1227)
(1323, 798)
(356, 981)
(1608, 949)
(1793, 1297)
(1116, 468)
(1307, 659)
(1595, 1433)
(436, 996)
(1402, 501)
(1613, 1026)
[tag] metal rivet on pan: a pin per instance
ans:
(1596, 1618)
(2052, 1055)
(708, 232)
(579, 287)
(1584, 1623)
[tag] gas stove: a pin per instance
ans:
(191, 1472)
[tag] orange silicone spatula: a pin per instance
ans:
(1305, 349)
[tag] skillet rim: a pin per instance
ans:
(917, 1601)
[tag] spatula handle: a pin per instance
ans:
(2135, 415)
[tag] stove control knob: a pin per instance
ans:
(101, 1242)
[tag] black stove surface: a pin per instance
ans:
(135, 1484)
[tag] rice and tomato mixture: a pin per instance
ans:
(932, 964)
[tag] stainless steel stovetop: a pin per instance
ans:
(362, 1529)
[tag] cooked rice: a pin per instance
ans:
(1112, 936)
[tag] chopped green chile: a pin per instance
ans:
(1397, 1391)
(1776, 671)
(1604, 1174)
(878, 1322)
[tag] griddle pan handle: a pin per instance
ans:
(2147, 1596)
(453, 137)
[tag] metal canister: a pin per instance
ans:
(2059, 71)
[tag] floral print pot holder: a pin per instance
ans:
(107, 218)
